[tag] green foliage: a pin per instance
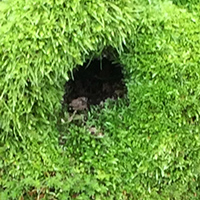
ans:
(190, 5)
(41, 42)
(164, 94)
(147, 145)
(185, 2)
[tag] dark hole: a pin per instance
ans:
(93, 83)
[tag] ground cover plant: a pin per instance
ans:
(144, 146)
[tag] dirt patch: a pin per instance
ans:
(94, 83)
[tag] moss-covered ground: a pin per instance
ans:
(143, 146)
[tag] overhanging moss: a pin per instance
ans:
(41, 42)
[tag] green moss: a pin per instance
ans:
(148, 146)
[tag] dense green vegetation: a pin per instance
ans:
(149, 146)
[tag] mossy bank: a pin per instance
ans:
(149, 145)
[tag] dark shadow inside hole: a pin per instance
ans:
(93, 83)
